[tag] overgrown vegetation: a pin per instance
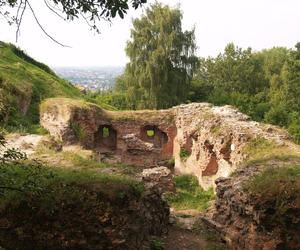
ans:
(264, 84)
(157, 244)
(184, 154)
(189, 195)
(21, 177)
(259, 148)
(78, 131)
(161, 65)
(281, 188)
(24, 83)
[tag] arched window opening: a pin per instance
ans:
(106, 138)
(152, 134)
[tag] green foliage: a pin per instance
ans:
(26, 82)
(30, 177)
(171, 162)
(8, 155)
(189, 195)
(184, 154)
(156, 245)
(91, 11)
(105, 132)
(78, 131)
(20, 177)
(20, 53)
(109, 99)
(150, 133)
(265, 85)
(294, 126)
(281, 186)
(162, 60)
(258, 147)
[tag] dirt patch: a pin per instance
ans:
(181, 239)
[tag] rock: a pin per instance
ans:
(29, 144)
(159, 178)
(106, 221)
(243, 219)
(206, 141)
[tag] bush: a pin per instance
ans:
(184, 154)
(277, 115)
(294, 127)
(281, 188)
(78, 131)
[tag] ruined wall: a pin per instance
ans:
(211, 141)
(247, 220)
(204, 140)
(115, 136)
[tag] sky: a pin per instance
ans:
(247, 23)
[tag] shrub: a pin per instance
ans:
(157, 245)
(294, 127)
(281, 188)
(184, 154)
(78, 131)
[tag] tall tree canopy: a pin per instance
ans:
(162, 59)
(264, 84)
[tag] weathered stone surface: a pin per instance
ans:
(245, 221)
(61, 117)
(206, 141)
(29, 144)
(115, 217)
(160, 178)
(213, 138)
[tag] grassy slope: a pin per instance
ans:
(22, 76)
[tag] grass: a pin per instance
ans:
(78, 131)
(23, 78)
(189, 195)
(156, 244)
(260, 151)
(281, 189)
(258, 147)
(30, 178)
(80, 159)
(216, 130)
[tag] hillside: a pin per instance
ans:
(24, 83)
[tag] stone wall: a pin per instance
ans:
(206, 141)
(213, 140)
(246, 220)
(115, 136)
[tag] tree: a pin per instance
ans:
(91, 11)
(162, 59)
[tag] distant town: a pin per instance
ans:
(91, 78)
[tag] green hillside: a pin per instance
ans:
(24, 83)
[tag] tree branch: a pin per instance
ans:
(41, 27)
(53, 10)
(19, 21)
